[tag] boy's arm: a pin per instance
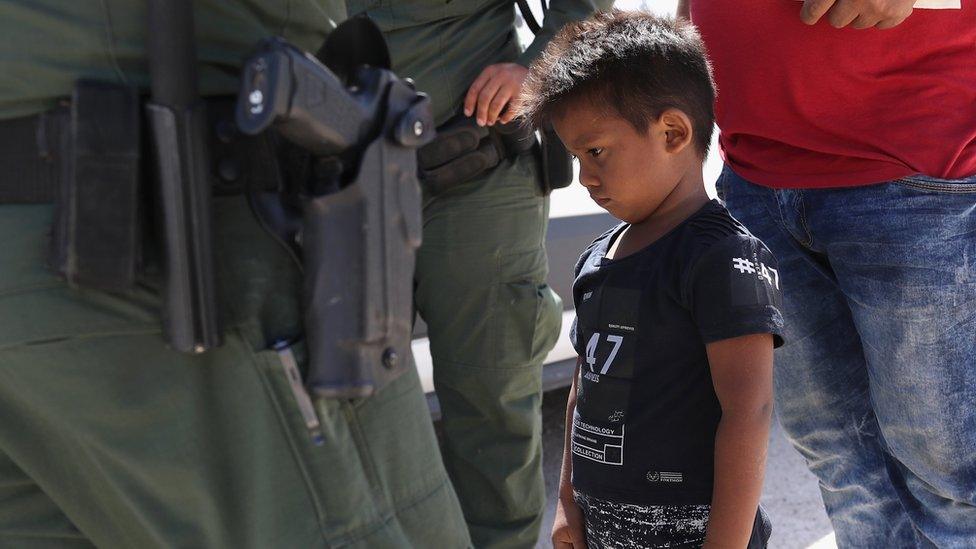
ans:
(567, 528)
(742, 374)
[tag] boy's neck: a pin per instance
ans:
(687, 197)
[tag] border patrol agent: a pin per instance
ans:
(111, 439)
(481, 270)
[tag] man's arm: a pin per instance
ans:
(567, 528)
(560, 13)
(859, 14)
(742, 373)
(497, 85)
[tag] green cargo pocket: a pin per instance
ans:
(342, 487)
(549, 322)
(367, 460)
(515, 315)
(525, 316)
(396, 438)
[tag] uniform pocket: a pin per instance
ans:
(524, 315)
(341, 484)
(396, 440)
(369, 460)
(517, 312)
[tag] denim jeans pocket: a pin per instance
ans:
(934, 184)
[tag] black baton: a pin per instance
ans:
(178, 120)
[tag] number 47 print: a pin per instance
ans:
(591, 351)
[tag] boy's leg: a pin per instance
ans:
(820, 376)
(905, 256)
(481, 288)
(135, 445)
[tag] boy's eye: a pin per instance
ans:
(595, 152)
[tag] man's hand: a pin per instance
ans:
(492, 91)
(567, 529)
(860, 14)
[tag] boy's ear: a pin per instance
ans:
(677, 128)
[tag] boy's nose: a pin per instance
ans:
(588, 178)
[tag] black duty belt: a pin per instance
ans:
(464, 150)
(33, 155)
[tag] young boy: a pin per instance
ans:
(677, 307)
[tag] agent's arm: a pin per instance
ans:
(859, 14)
(499, 84)
(742, 374)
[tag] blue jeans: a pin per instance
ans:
(876, 386)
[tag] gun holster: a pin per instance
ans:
(358, 221)
(96, 238)
(359, 245)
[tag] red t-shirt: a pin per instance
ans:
(803, 106)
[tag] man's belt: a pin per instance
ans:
(464, 150)
(89, 157)
(35, 155)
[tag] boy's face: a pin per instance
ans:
(628, 173)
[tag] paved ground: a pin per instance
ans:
(790, 496)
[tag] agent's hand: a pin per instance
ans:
(859, 14)
(492, 91)
(567, 529)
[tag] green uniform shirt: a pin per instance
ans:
(45, 45)
(444, 44)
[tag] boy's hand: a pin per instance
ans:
(492, 91)
(567, 528)
(860, 14)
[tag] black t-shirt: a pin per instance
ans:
(646, 411)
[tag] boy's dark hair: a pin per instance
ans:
(635, 63)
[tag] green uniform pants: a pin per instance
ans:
(481, 288)
(109, 439)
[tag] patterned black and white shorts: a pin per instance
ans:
(611, 525)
